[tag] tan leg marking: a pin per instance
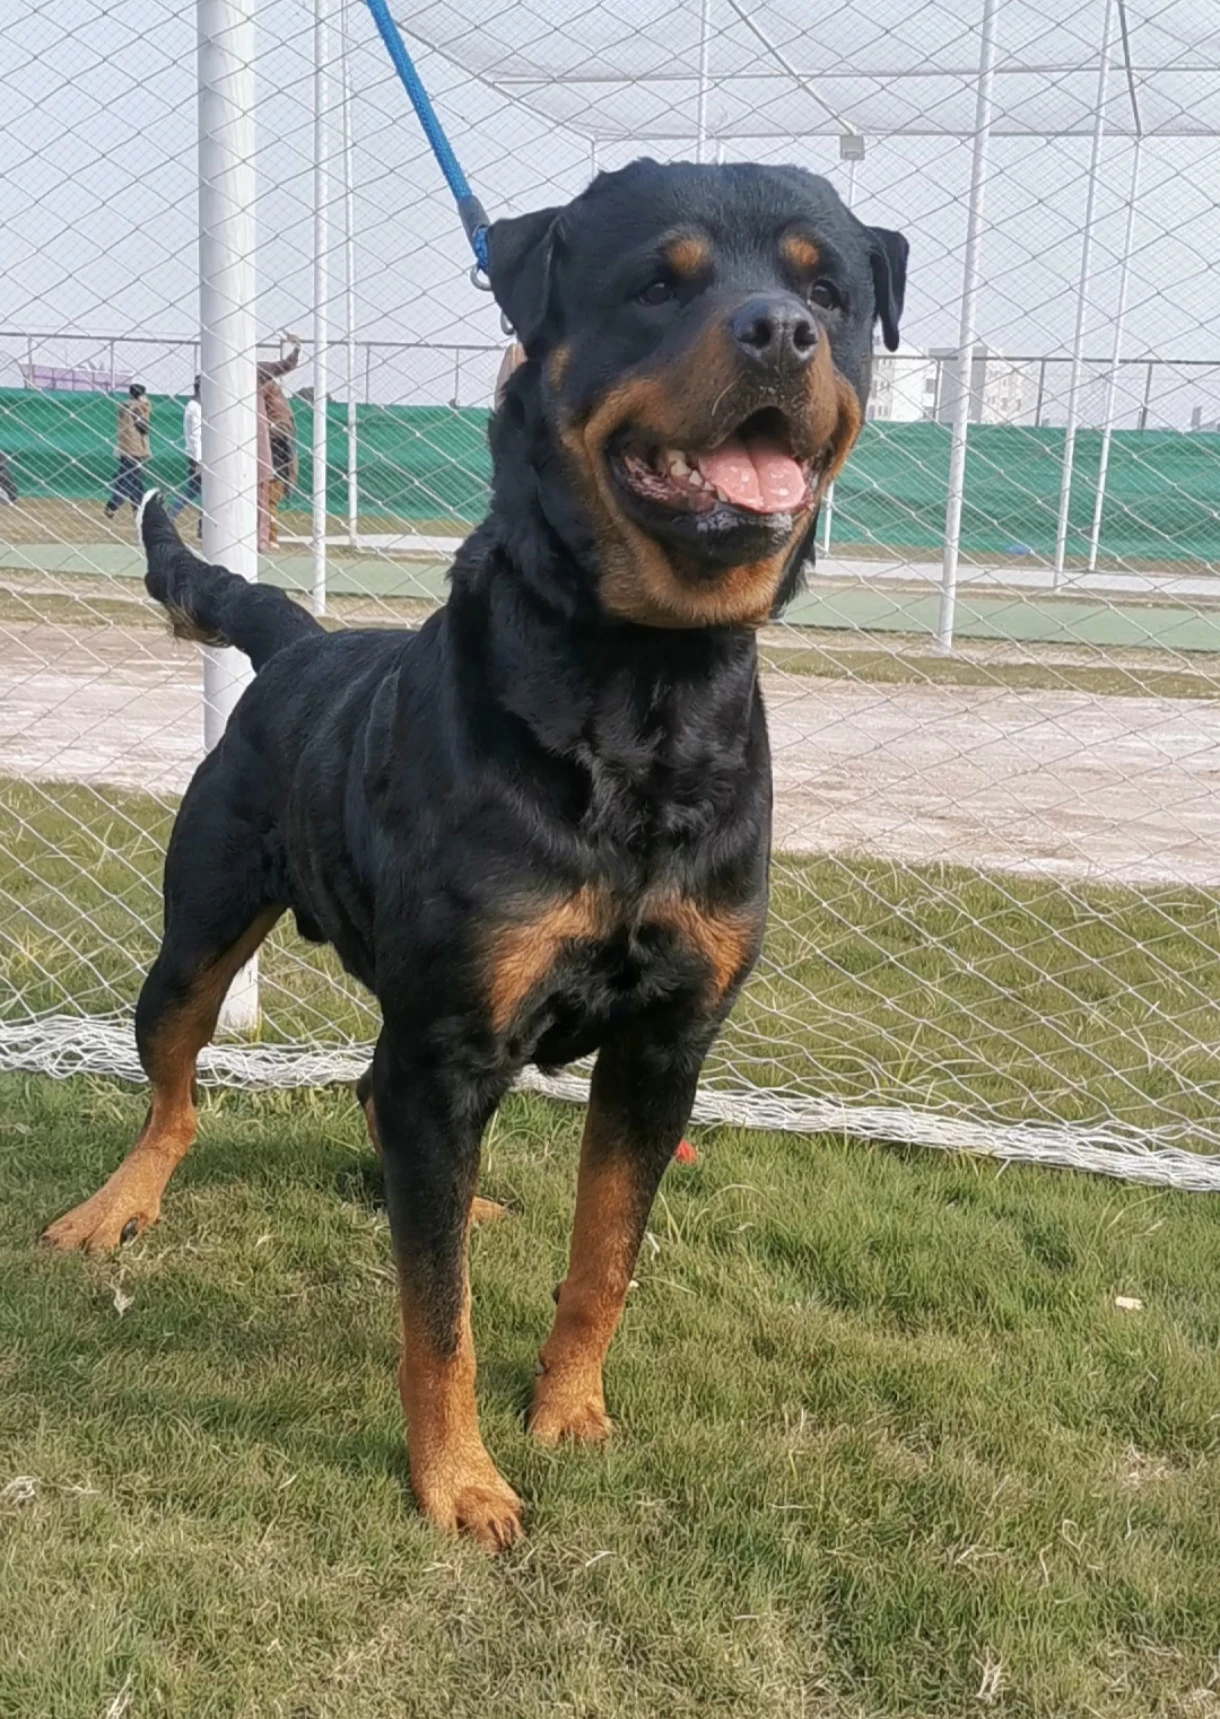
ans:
(370, 1122)
(568, 1397)
(131, 1199)
(454, 1480)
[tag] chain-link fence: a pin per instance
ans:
(996, 914)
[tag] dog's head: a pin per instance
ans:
(698, 344)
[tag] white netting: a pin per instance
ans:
(997, 886)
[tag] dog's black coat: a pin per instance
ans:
(421, 800)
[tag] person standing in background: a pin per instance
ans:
(192, 437)
(276, 431)
(282, 429)
(134, 421)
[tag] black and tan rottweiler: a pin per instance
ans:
(539, 826)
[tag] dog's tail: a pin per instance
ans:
(210, 605)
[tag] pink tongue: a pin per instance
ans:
(757, 474)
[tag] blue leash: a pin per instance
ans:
(472, 212)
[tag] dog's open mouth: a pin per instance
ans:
(755, 469)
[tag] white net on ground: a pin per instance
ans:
(996, 915)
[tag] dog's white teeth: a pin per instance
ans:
(677, 463)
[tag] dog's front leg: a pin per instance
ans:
(430, 1121)
(639, 1103)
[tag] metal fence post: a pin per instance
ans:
(227, 359)
(966, 334)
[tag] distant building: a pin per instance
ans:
(74, 379)
(903, 387)
(909, 385)
(997, 387)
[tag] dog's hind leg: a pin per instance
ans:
(216, 915)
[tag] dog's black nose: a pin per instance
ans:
(775, 328)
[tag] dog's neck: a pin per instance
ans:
(579, 679)
(651, 743)
(661, 713)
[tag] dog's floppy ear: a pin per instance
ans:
(888, 254)
(521, 255)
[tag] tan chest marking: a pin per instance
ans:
(522, 953)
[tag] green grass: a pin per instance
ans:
(1027, 997)
(1033, 997)
(887, 1447)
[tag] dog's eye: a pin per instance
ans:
(656, 292)
(826, 295)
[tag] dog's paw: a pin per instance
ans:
(99, 1224)
(569, 1409)
(121, 1208)
(474, 1501)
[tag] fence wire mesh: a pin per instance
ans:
(996, 916)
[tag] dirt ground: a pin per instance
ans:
(1123, 790)
(1067, 783)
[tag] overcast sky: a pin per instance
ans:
(98, 188)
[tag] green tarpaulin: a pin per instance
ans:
(429, 464)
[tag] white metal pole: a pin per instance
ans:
(828, 506)
(704, 42)
(227, 358)
(349, 285)
(1120, 318)
(983, 109)
(1082, 300)
(321, 288)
